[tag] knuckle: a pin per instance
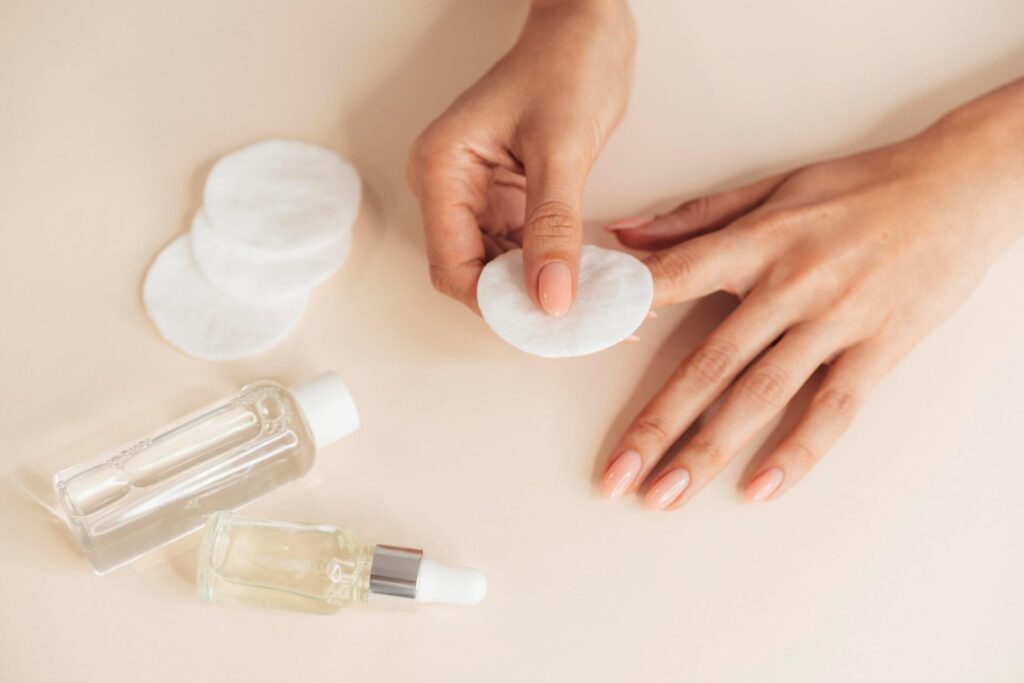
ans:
(801, 455)
(441, 280)
(673, 265)
(653, 427)
(808, 277)
(413, 164)
(428, 151)
(840, 401)
(695, 211)
(428, 155)
(553, 220)
(771, 222)
(711, 363)
(847, 310)
(766, 387)
(705, 453)
(423, 149)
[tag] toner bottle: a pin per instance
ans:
(126, 502)
(321, 569)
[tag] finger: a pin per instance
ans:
(725, 260)
(455, 248)
(694, 217)
(698, 381)
(849, 380)
(763, 390)
(553, 232)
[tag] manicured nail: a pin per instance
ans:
(632, 339)
(764, 484)
(651, 315)
(554, 286)
(667, 489)
(629, 223)
(621, 473)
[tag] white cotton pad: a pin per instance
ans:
(204, 322)
(282, 194)
(613, 298)
(257, 274)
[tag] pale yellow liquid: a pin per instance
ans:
(285, 565)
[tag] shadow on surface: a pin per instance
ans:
(694, 326)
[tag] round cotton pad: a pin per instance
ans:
(282, 194)
(613, 297)
(202, 321)
(261, 275)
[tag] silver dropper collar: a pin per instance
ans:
(393, 576)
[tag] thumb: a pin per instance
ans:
(553, 232)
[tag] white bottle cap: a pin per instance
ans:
(452, 585)
(328, 406)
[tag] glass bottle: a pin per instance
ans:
(125, 502)
(319, 568)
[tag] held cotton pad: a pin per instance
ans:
(282, 194)
(205, 322)
(613, 298)
(257, 274)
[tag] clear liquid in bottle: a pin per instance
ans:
(121, 504)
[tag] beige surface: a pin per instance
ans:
(899, 559)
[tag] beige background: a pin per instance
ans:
(900, 558)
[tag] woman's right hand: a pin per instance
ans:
(505, 165)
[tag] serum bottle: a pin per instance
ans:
(125, 502)
(320, 568)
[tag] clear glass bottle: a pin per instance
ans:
(123, 503)
(319, 568)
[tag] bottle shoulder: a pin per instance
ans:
(277, 408)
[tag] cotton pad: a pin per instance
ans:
(204, 322)
(282, 194)
(613, 298)
(260, 275)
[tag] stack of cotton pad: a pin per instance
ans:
(613, 297)
(277, 222)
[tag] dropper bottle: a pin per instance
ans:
(320, 568)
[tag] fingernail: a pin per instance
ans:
(651, 315)
(554, 286)
(629, 223)
(621, 474)
(764, 484)
(667, 489)
(632, 339)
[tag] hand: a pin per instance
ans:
(505, 165)
(849, 263)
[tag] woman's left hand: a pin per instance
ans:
(849, 263)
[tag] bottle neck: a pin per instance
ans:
(392, 576)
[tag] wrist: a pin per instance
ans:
(610, 18)
(997, 117)
(982, 143)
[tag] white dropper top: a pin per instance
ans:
(439, 582)
(328, 406)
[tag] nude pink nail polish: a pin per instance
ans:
(629, 223)
(667, 489)
(764, 484)
(620, 474)
(554, 288)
